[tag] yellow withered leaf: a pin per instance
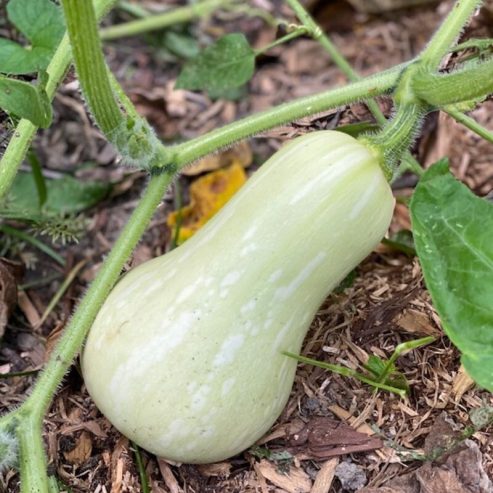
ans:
(241, 153)
(207, 195)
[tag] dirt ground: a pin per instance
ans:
(404, 445)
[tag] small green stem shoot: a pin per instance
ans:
(470, 123)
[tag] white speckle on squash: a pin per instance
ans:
(275, 276)
(230, 279)
(284, 292)
(229, 348)
(248, 249)
(365, 198)
(227, 386)
(250, 232)
(186, 292)
(199, 399)
(248, 306)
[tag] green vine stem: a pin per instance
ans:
(296, 33)
(470, 123)
(132, 136)
(473, 82)
(82, 29)
(316, 32)
(25, 130)
(222, 137)
(176, 16)
(448, 32)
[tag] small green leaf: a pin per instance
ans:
(453, 231)
(226, 64)
(25, 101)
(41, 21)
(64, 196)
(393, 378)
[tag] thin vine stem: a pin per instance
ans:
(166, 19)
(470, 123)
(448, 32)
(300, 31)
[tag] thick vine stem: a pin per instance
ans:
(472, 82)
(448, 32)
(397, 136)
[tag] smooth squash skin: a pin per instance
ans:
(185, 357)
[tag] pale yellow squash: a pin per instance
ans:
(185, 357)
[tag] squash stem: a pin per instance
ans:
(338, 58)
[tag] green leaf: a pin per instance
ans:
(226, 64)
(41, 21)
(15, 60)
(453, 231)
(64, 196)
(26, 101)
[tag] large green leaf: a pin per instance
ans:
(41, 22)
(226, 64)
(453, 234)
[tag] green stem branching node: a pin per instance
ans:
(394, 140)
(408, 160)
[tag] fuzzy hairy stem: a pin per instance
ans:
(82, 29)
(448, 32)
(472, 82)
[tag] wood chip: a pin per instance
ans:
(416, 322)
(461, 384)
(295, 481)
(325, 476)
(29, 310)
(169, 477)
(82, 450)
